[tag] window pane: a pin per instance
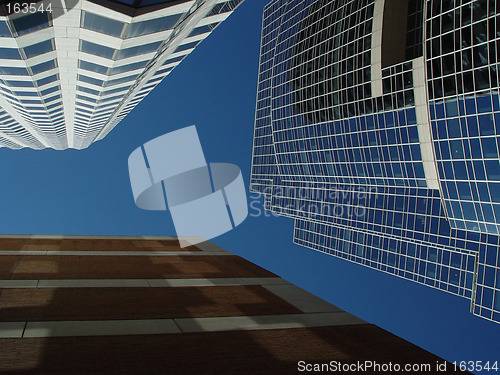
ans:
(93, 67)
(31, 22)
(46, 80)
(10, 53)
(203, 29)
(90, 80)
(121, 80)
(96, 49)
(49, 90)
(139, 50)
(114, 91)
(39, 48)
(129, 67)
(20, 83)
(87, 90)
(151, 26)
(13, 71)
(4, 29)
(102, 24)
(43, 67)
(187, 46)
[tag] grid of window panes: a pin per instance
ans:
(463, 48)
(466, 136)
(263, 159)
(431, 265)
(29, 83)
(320, 170)
(414, 29)
(115, 56)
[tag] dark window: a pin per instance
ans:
(31, 22)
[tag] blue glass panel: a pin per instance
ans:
(475, 146)
(4, 29)
(492, 169)
(460, 170)
(486, 125)
(91, 80)
(489, 146)
(187, 46)
(92, 67)
(38, 48)
(19, 83)
(451, 108)
(472, 126)
(484, 104)
(97, 49)
(46, 80)
(456, 149)
(43, 66)
(128, 67)
(121, 80)
(9, 53)
(468, 211)
(151, 26)
(454, 128)
(102, 24)
(13, 71)
(138, 50)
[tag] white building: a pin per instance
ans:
(69, 75)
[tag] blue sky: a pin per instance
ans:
(88, 192)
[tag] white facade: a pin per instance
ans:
(68, 78)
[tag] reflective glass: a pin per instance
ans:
(19, 83)
(38, 48)
(97, 49)
(113, 91)
(120, 80)
(31, 22)
(93, 81)
(43, 66)
(202, 29)
(92, 67)
(8, 70)
(87, 90)
(46, 80)
(4, 29)
(492, 169)
(489, 147)
(186, 46)
(151, 26)
(102, 24)
(49, 90)
(138, 50)
(9, 53)
(127, 68)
